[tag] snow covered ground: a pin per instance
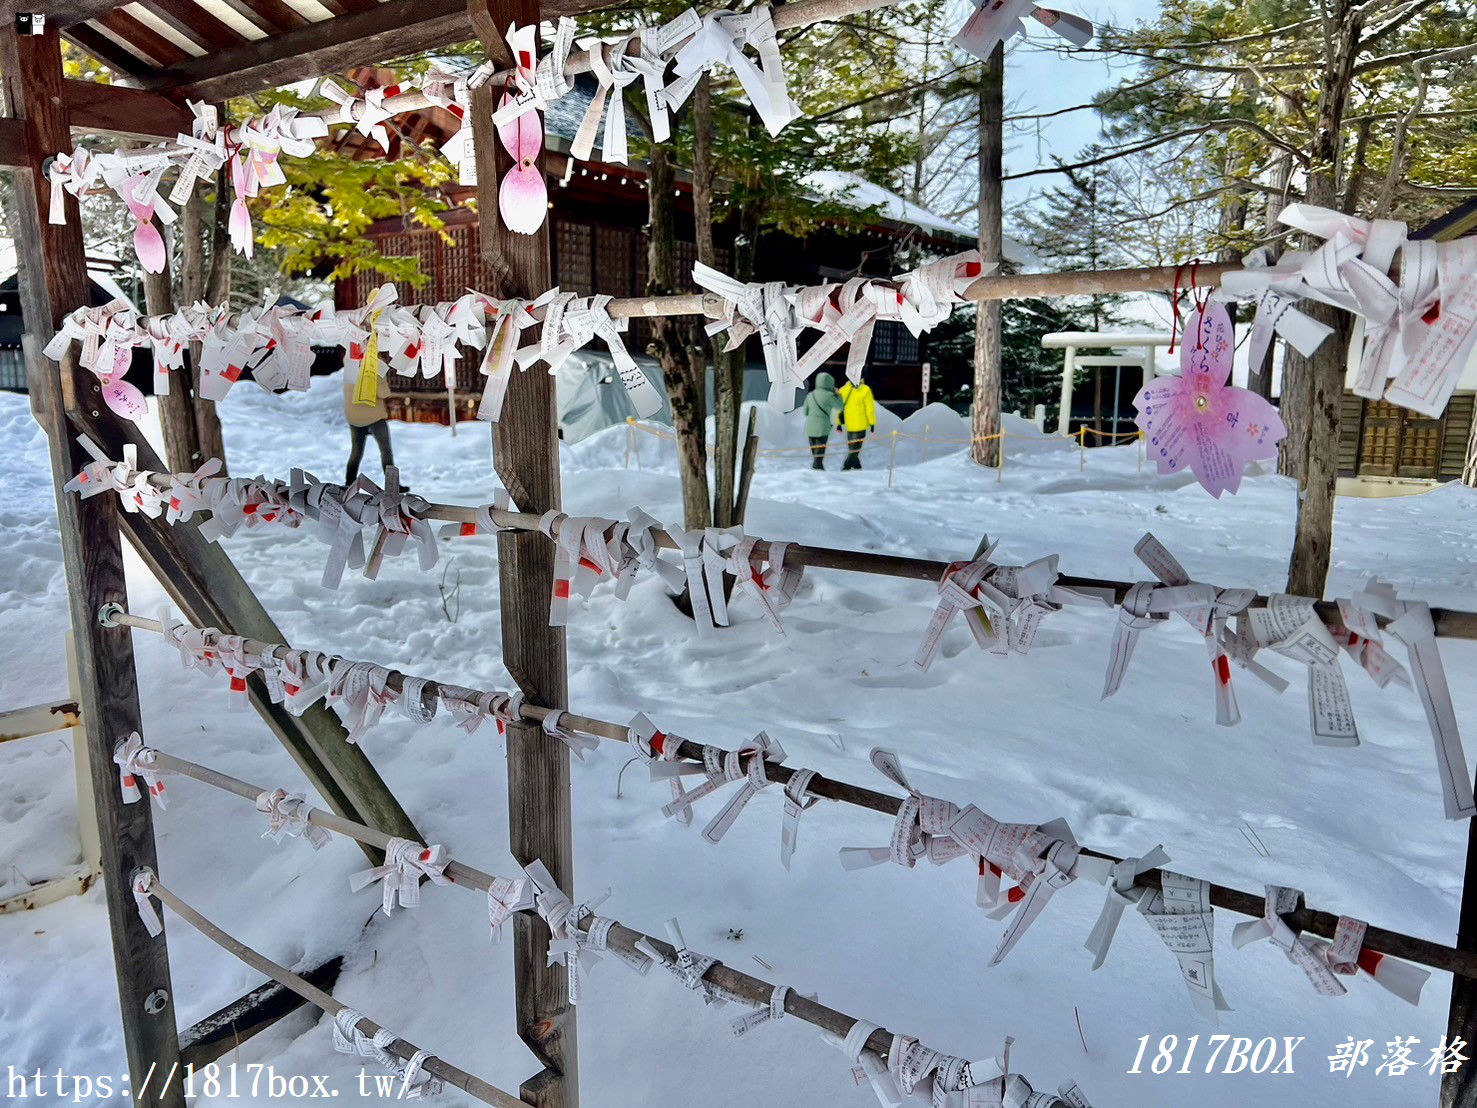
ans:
(1025, 738)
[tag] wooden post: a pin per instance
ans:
(526, 458)
(53, 282)
(746, 467)
(891, 457)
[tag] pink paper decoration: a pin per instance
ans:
(147, 243)
(523, 197)
(240, 223)
(124, 399)
(1200, 422)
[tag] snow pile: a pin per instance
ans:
(1025, 738)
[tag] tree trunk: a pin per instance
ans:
(985, 415)
(727, 366)
(177, 407)
(1312, 389)
(216, 289)
(1260, 376)
(684, 389)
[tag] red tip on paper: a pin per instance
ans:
(996, 870)
(425, 855)
(1016, 895)
(1433, 313)
(293, 690)
(174, 503)
(238, 684)
(973, 269)
(128, 781)
(356, 350)
(457, 110)
(561, 588)
(157, 788)
(250, 509)
(1369, 960)
(1223, 669)
(232, 373)
(585, 563)
(525, 59)
(982, 867)
(1354, 640)
(393, 90)
(467, 529)
(659, 743)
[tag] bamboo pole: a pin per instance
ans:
(445, 1071)
(1394, 943)
(1453, 623)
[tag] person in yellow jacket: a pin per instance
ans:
(365, 420)
(858, 415)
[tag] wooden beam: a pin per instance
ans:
(525, 453)
(53, 277)
(88, 38)
(206, 586)
(140, 37)
(119, 110)
(224, 1030)
(271, 16)
(389, 30)
(194, 22)
(14, 153)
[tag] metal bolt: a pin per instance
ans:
(108, 614)
(95, 412)
(156, 1002)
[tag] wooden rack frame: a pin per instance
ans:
(204, 584)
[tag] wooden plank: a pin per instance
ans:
(53, 282)
(208, 589)
(121, 60)
(392, 29)
(1459, 1089)
(194, 22)
(142, 39)
(226, 1029)
(526, 457)
(96, 108)
(39, 719)
(271, 16)
(13, 151)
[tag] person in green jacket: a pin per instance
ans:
(860, 416)
(820, 406)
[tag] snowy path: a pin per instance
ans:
(1026, 739)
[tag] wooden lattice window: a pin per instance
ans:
(574, 266)
(884, 342)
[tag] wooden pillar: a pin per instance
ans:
(53, 282)
(1459, 1089)
(526, 458)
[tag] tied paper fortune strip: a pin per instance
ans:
(1418, 334)
(1323, 961)
(1041, 859)
(406, 862)
(1204, 607)
(415, 1082)
(1002, 605)
(843, 313)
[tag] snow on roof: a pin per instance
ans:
(857, 192)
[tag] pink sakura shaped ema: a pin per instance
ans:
(1198, 420)
(148, 244)
(522, 197)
